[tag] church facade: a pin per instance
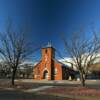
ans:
(49, 68)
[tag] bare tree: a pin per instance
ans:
(15, 47)
(83, 51)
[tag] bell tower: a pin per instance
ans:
(48, 54)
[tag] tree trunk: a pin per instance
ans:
(82, 77)
(13, 76)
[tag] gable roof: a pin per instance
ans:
(63, 65)
(37, 64)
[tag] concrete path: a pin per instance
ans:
(38, 89)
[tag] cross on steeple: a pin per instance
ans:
(49, 44)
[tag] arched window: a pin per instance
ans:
(55, 71)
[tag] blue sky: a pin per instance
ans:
(50, 18)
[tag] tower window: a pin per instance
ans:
(46, 51)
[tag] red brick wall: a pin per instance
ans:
(58, 76)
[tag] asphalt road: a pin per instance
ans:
(16, 95)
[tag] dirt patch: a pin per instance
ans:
(77, 91)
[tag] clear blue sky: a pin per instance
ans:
(49, 18)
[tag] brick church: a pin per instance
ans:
(50, 69)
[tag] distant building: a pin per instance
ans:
(94, 71)
(51, 69)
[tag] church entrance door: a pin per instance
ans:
(45, 75)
